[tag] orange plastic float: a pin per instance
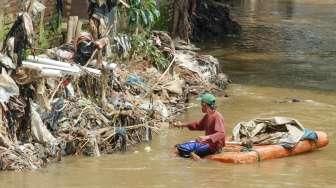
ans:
(232, 153)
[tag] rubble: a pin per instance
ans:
(74, 100)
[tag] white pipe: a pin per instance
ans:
(46, 61)
(42, 66)
(74, 70)
(51, 73)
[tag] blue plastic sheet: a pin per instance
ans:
(309, 135)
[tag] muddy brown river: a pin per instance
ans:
(286, 50)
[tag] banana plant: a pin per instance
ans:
(142, 13)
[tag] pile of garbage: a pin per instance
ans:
(72, 100)
(283, 131)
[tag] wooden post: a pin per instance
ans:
(30, 6)
(78, 28)
(69, 30)
(68, 7)
(74, 28)
(1, 117)
(103, 80)
(41, 34)
(95, 29)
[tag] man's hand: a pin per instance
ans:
(202, 138)
(177, 124)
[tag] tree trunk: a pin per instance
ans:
(200, 20)
(180, 19)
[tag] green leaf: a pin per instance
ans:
(144, 18)
(156, 13)
(138, 2)
(150, 16)
(143, 13)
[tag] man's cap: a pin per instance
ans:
(207, 98)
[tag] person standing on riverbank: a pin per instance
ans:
(213, 125)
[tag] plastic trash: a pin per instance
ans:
(120, 103)
(205, 66)
(148, 149)
(6, 62)
(39, 130)
(175, 86)
(8, 87)
(134, 80)
(157, 106)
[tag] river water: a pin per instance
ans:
(286, 50)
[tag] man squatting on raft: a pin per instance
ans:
(213, 125)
